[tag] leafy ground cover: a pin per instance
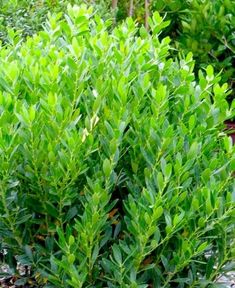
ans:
(115, 170)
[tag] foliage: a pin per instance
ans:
(204, 27)
(114, 170)
(27, 17)
(207, 28)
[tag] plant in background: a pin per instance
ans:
(26, 18)
(208, 30)
(114, 171)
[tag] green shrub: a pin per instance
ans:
(115, 170)
(24, 18)
(204, 27)
(208, 30)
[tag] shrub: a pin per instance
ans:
(204, 27)
(208, 30)
(115, 170)
(24, 18)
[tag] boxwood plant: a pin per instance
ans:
(115, 170)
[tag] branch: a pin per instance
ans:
(131, 8)
(146, 16)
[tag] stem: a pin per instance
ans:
(9, 219)
(42, 192)
(146, 15)
(114, 4)
(131, 8)
(114, 8)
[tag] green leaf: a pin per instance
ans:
(160, 181)
(28, 252)
(71, 240)
(168, 170)
(192, 122)
(52, 99)
(32, 113)
(157, 213)
(23, 219)
(117, 254)
(210, 71)
(164, 262)
(107, 168)
(193, 151)
(95, 253)
(228, 144)
(71, 258)
(72, 212)
(51, 209)
(76, 47)
(202, 247)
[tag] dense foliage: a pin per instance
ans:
(22, 18)
(204, 27)
(115, 170)
(207, 28)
